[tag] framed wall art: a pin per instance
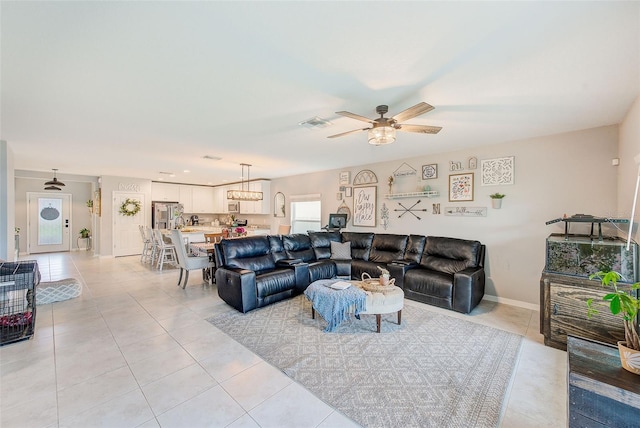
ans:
(430, 171)
(347, 192)
(364, 206)
(497, 171)
(466, 211)
(461, 187)
(345, 177)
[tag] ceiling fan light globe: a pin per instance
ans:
(382, 135)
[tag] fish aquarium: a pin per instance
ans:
(583, 255)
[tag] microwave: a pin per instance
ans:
(233, 207)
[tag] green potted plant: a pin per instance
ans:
(496, 200)
(90, 206)
(85, 233)
(626, 306)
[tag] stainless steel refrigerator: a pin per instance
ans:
(164, 214)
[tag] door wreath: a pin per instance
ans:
(130, 207)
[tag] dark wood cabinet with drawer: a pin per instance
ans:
(564, 311)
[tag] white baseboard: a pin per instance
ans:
(518, 303)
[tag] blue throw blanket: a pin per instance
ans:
(333, 305)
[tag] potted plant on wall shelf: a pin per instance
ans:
(627, 306)
(496, 200)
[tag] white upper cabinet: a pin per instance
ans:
(219, 199)
(203, 199)
(186, 197)
(165, 192)
(258, 207)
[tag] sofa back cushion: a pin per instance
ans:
(321, 243)
(415, 248)
(251, 253)
(277, 248)
(298, 246)
(360, 244)
(386, 248)
(450, 255)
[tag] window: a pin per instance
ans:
(306, 213)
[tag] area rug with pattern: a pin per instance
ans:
(432, 371)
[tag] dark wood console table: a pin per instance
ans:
(601, 393)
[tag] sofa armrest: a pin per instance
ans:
(301, 271)
(288, 262)
(398, 268)
(468, 289)
(237, 287)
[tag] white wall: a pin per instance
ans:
(79, 186)
(554, 175)
(628, 148)
(7, 202)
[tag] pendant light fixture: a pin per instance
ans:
(244, 194)
(54, 184)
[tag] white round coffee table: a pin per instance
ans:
(384, 302)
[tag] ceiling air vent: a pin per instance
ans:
(211, 157)
(315, 122)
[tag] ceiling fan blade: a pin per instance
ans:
(348, 132)
(423, 129)
(354, 116)
(411, 112)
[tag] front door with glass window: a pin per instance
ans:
(49, 225)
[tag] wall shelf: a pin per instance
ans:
(429, 194)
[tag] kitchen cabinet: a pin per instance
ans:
(258, 207)
(186, 197)
(219, 200)
(203, 199)
(165, 192)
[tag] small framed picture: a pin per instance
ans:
(429, 171)
(348, 192)
(345, 177)
(461, 187)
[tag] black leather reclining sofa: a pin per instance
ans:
(256, 271)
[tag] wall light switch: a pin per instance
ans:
(615, 161)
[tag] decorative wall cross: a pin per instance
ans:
(410, 210)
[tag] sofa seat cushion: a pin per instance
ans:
(322, 269)
(275, 282)
(430, 283)
(358, 267)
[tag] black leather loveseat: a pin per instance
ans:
(256, 271)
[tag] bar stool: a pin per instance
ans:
(166, 252)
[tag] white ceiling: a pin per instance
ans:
(135, 88)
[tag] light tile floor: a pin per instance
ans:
(135, 351)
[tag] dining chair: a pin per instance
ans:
(188, 262)
(166, 253)
(146, 245)
(284, 229)
(212, 238)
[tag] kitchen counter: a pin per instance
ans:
(201, 230)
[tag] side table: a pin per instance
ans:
(87, 242)
(601, 393)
